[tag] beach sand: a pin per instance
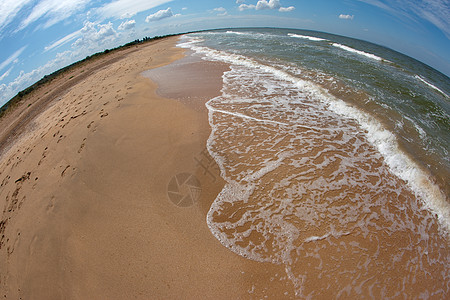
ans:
(87, 162)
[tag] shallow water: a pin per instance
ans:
(334, 153)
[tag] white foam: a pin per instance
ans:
(400, 164)
(235, 32)
(431, 85)
(420, 131)
(188, 42)
(306, 37)
(317, 238)
(352, 50)
(250, 34)
(275, 139)
(333, 234)
(245, 116)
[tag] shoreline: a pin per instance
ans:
(109, 190)
(85, 196)
(315, 200)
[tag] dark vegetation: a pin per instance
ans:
(48, 78)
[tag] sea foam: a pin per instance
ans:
(399, 162)
(352, 50)
(313, 181)
(307, 37)
(431, 85)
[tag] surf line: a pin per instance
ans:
(239, 115)
(245, 116)
(431, 85)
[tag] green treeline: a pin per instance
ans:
(47, 78)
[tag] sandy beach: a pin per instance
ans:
(89, 172)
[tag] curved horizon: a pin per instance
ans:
(144, 39)
(38, 38)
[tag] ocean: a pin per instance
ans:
(335, 156)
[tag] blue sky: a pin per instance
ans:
(37, 37)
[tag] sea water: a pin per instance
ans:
(335, 156)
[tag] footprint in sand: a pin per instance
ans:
(61, 137)
(11, 248)
(64, 171)
(82, 146)
(3, 238)
(103, 113)
(35, 183)
(44, 155)
(5, 180)
(15, 204)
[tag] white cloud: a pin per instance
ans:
(376, 3)
(128, 8)
(7, 91)
(286, 9)
(6, 74)
(127, 25)
(162, 14)
(94, 36)
(272, 4)
(346, 17)
(12, 59)
(265, 5)
(436, 12)
(221, 11)
(54, 11)
(240, 1)
(246, 6)
(9, 9)
(63, 40)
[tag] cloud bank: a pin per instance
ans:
(127, 25)
(162, 14)
(12, 58)
(436, 12)
(265, 5)
(123, 9)
(346, 17)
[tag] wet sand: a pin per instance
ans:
(86, 212)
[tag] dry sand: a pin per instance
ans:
(84, 180)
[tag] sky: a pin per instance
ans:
(38, 37)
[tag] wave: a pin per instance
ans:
(383, 140)
(236, 32)
(399, 163)
(244, 116)
(431, 85)
(311, 38)
(250, 34)
(352, 50)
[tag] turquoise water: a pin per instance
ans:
(335, 156)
